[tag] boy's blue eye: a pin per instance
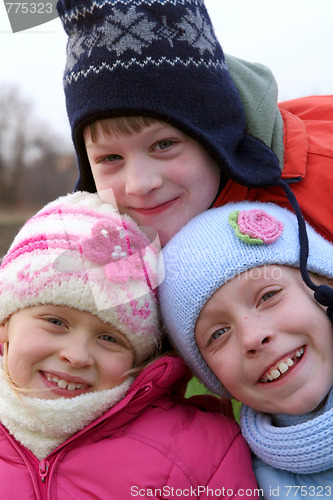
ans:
(112, 158)
(162, 145)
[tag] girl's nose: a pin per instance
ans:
(77, 353)
(254, 347)
(142, 177)
(255, 338)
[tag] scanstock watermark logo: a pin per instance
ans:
(25, 15)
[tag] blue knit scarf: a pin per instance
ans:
(301, 444)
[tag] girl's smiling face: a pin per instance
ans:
(268, 341)
(56, 351)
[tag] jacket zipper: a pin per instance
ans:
(43, 470)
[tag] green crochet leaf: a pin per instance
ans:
(233, 221)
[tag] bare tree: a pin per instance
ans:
(14, 141)
(29, 150)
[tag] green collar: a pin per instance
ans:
(258, 90)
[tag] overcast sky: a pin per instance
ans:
(294, 38)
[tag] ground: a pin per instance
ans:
(10, 223)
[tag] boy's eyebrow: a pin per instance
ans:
(96, 144)
(88, 139)
(89, 143)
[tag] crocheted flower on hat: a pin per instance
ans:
(255, 227)
(118, 250)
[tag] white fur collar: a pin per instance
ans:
(41, 425)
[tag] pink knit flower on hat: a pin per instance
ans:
(118, 250)
(255, 226)
(110, 242)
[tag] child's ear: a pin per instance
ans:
(3, 333)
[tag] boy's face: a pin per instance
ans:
(268, 341)
(159, 176)
(55, 351)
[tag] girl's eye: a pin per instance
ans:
(162, 145)
(55, 321)
(219, 333)
(109, 338)
(268, 295)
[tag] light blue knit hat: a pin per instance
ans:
(214, 247)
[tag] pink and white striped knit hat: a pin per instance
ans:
(78, 251)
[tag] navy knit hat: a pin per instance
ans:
(219, 244)
(161, 59)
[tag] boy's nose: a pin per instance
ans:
(142, 176)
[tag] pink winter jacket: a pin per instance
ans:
(152, 444)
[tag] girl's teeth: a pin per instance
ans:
(275, 373)
(70, 386)
(281, 368)
(62, 384)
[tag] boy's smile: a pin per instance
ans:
(159, 176)
(56, 351)
(268, 341)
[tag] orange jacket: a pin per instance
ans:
(308, 163)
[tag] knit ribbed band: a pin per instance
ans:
(300, 447)
(218, 245)
(80, 252)
(157, 58)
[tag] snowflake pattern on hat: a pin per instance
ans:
(130, 31)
